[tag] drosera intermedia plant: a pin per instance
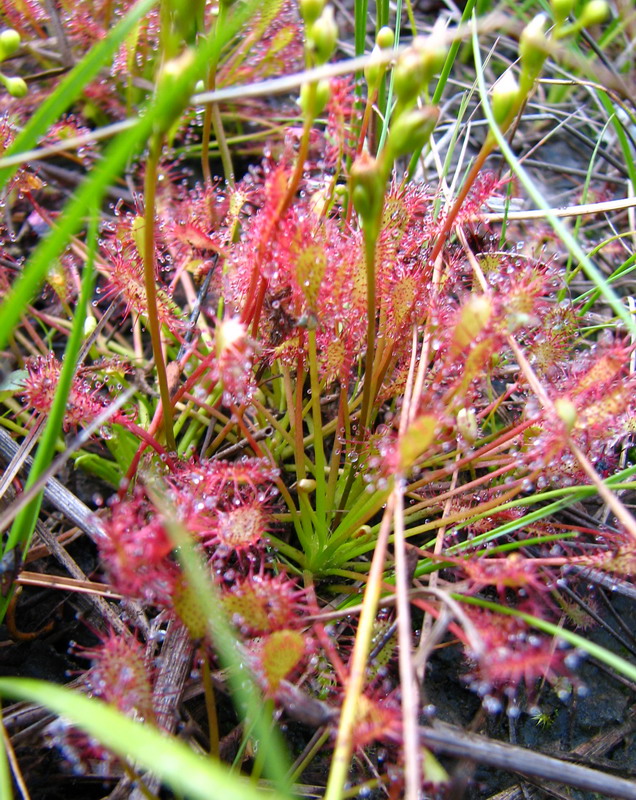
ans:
(347, 390)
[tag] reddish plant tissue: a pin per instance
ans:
(289, 435)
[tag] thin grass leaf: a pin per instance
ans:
(138, 743)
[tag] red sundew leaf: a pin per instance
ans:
(190, 234)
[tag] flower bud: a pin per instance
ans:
(366, 186)
(306, 485)
(312, 102)
(170, 84)
(467, 424)
(322, 35)
(593, 13)
(16, 87)
(566, 411)
(411, 130)
(9, 43)
(310, 10)
(408, 77)
(505, 96)
(385, 38)
(533, 51)
(473, 318)
(561, 9)
(374, 70)
(432, 52)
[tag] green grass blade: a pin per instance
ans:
(138, 743)
(6, 789)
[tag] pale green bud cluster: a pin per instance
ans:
(376, 68)
(533, 51)
(314, 97)
(593, 13)
(9, 43)
(505, 99)
(321, 35)
(416, 67)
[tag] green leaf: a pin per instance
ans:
(138, 743)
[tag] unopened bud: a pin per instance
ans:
(408, 77)
(374, 70)
(385, 38)
(473, 318)
(310, 10)
(312, 100)
(90, 323)
(9, 43)
(323, 35)
(432, 52)
(170, 84)
(366, 185)
(411, 130)
(561, 9)
(16, 87)
(593, 13)
(533, 51)
(467, 424)
(306, 485)
(505, 95)
(566, 411)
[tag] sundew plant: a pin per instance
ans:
(345, 385)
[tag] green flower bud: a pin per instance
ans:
(322, 35)
(310, 10)
(467, 424)
(566, 411)
(505, 96)
(366, 186)
(170, 84)
(593, 13)
(312, 102)
(408, 77)
(561, 9)
(15, 86)
(411, 130)
(9, 43)
(533, 50)
(385, 38)
(374, 70)
(432, 52)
